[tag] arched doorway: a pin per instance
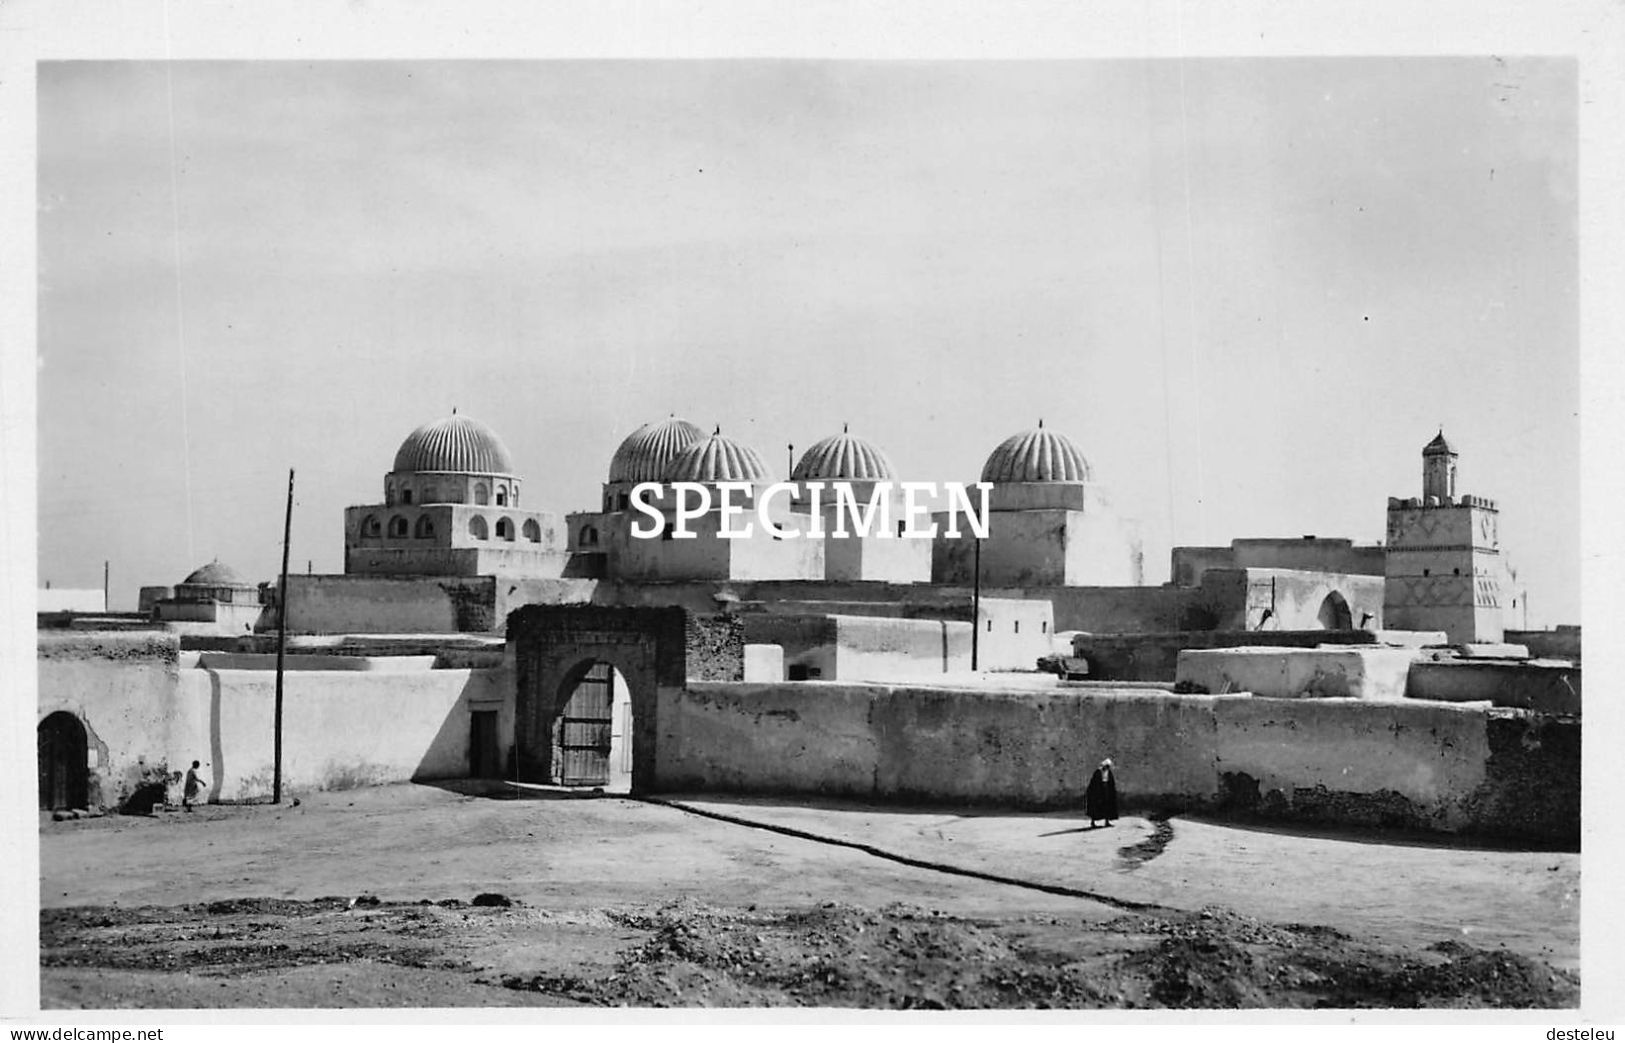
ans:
(1335, 614)
(592, 734)
(64, 771)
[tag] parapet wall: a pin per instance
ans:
(1155, 657)
(1562, 643)
(1418, 765)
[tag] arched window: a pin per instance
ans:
(371, 527)
(398, 527)
(482, 494)
(533, 532)
(1335, 613)
(626, 501)
(425, 528)
(406, 496)
(502, 496)
(478, 529)
(504, 528)
(589, 536)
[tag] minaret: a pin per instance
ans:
(1443, 563)
(1438, 472)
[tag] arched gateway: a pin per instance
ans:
(64, 769)
(575, 663)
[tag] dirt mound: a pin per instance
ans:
(906, 958)
(1215, 958)
(833, 955)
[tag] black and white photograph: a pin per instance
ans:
(807, 529)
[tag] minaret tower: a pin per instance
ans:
(1443, 566)
(1438, 471)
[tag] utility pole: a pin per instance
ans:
(281, 646)
(976, 607)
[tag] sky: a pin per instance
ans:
(1250, 290)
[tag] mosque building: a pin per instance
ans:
(674, 451)
(212, 599)
(450, 548)
(1050, 524)
(451, 508)
(862, 466)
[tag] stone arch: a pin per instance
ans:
(533, 531)
(399, 527)
(505, 529)
(589, 536)
(371, 527)
(635, 668)
(64, 762)
(555, 645)
(478, 529)
(1334, 613)
(424, 530)
(482, 493)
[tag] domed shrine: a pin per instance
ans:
(843, 457)
(861, 466)
(1036, 456)
(1048, 522)
(451, 508)
(602, 543)
(644, 455)
(213, 599)
(717, 459)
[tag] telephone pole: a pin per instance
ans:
(281, 646)
(976, 607)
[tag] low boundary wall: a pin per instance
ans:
(1432, 766)
(148, 712)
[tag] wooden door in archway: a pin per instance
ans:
(64, 773)
(584, 729)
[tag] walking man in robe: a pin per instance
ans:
(1100, 799)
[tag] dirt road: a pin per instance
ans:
(365, 899)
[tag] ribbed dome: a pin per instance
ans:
(843, 457)
(646, 452)
(457, 443)
(1437, 446)
(1036, 456)
(717, 459)
(215, 574)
